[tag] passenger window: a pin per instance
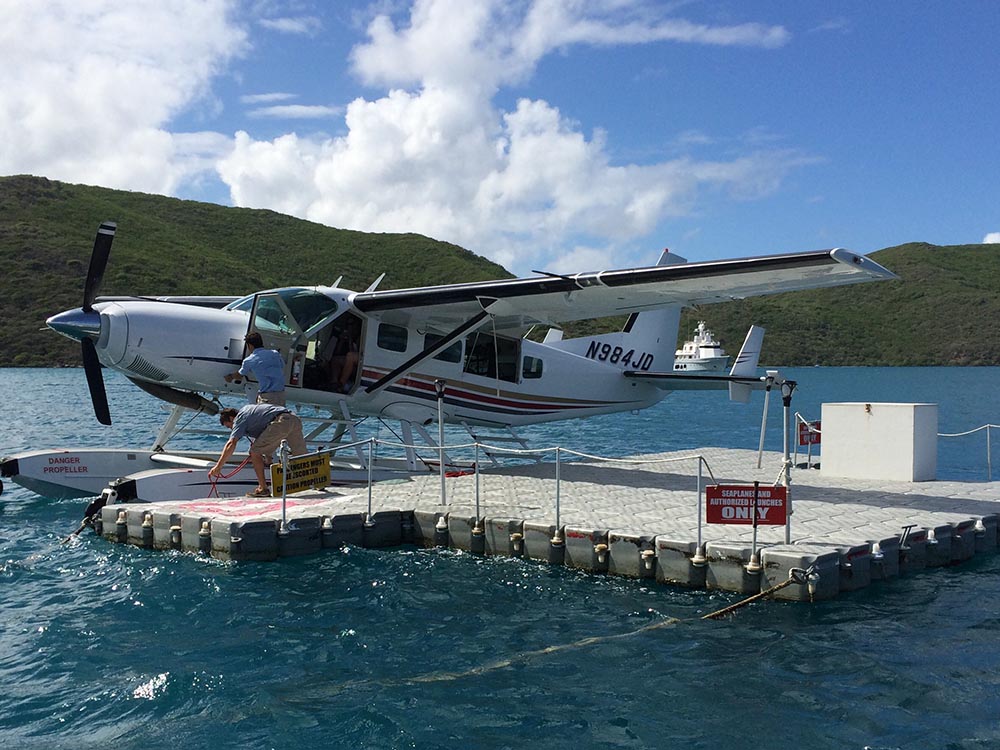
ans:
(531, 368)
(451, 353)
(391, 337)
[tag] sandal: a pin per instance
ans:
(259, 493)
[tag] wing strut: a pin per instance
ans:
(430, 351)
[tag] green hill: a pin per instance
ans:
(943, 312)
(169, 246)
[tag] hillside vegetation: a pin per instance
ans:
(944, 311)
(170, 246)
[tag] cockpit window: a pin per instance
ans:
(307, 305)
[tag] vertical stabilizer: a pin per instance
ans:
(746, 361)
(745, 365)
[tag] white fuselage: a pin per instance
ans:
(192, 348)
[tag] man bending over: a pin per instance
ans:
(267, 425)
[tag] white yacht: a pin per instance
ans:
(701, 354)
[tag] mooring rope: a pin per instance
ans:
(215, 480)
(795, 575)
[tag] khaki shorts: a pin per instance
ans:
(277, 398)
(283, 427)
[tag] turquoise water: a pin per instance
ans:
(110, 646)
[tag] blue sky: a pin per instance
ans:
(555, 134)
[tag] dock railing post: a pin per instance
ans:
(699, 553)
(558, 524)
(989, 456)
(439, 387)
(754, 567)
(478, 517)
(768, 383)
(368, 517)
(283, 452)
(787, 387)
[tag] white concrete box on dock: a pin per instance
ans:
(895, 442)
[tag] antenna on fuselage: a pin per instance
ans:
(374, 284)
(336, 284)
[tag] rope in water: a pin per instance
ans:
(795, 575)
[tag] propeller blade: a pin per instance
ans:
(98, 262)
(95, 381)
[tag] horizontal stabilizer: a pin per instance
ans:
(670, 381)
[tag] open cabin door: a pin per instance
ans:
(289, 320)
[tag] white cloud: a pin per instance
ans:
(274, 96)
(87, 88)
(993, 238)
(297, 111)
(435, 156)
(309, 25)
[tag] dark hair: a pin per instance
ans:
(253, 338)
(226, 414)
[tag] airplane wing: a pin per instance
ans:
(519, 303)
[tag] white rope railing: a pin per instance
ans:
(989, 444)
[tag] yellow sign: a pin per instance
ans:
(307, 472)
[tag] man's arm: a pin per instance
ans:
(240, 373)
(227, 451)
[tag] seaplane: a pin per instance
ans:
(453, 353)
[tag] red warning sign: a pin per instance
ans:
(733, 503)
(809, 436)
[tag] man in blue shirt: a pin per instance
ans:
(267, 425)
(267, 367)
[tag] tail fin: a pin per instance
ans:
(746, 364)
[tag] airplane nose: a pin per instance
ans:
(76, 324)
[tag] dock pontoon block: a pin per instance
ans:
(538, 540)
(939, 543)
(986, 534)
(674, 562)
(855, 566)
(301, 536)
(191, 525)
(779, 560)
(163, 522)
(625, 554)
(136, 516)
(425, 524)
(346, 528)
(913, 552)
(460, 526)
(384, 529)
(245, 540)
(963, 540)
(500, 536)
(583, 549)
(885, 558)
(726, 568)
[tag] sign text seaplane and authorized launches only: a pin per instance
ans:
(735, 503)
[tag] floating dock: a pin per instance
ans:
(641, 517)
